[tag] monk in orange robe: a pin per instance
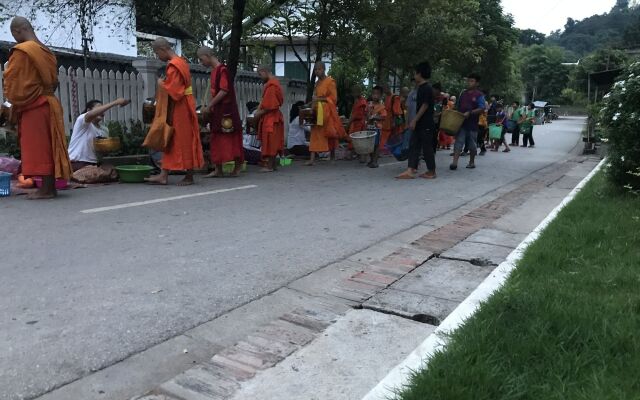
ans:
(391, 125)
(328, 129)
(376, 115)
(358, 118)
(270, 119)
(30, 80)
(184, 152)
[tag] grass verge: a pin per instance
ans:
(566, 325)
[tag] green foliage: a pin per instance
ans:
(572, 97)
(621, 120)
(10, 146)
(130, 137)
(618, 28)
(543, 73)
(529, 37)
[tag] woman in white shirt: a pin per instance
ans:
(297, 142)
(86, 128)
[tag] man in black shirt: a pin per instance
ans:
(422, 127)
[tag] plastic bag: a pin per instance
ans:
(9, 165)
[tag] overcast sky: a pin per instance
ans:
(548, 15)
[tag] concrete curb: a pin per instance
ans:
(400, 375)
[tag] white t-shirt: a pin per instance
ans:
(81, 143)
(296, 136)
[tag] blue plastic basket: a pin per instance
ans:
(5, 184)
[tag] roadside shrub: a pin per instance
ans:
(130, 137)
(620, 117)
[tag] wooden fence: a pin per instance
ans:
(78, 86)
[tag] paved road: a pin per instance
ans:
(81, 291)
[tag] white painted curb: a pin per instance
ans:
(419, 358)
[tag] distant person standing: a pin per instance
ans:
(472, 105)
(515, 118)
(270, 119)
(423, 127)
(526, 128)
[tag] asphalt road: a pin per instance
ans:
(81, 291)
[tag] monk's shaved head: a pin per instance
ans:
(163, 49)
(21, 22)
(207, 57)
(320, 69)
(22, 30)
(161, 43)
(265, 72)
(206, 51)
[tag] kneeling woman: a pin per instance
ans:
(86, 128)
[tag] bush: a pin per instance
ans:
(130, 137)
(10, 146)
(621, 119)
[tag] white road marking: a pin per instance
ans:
(163, 200)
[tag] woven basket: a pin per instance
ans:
(451, 122)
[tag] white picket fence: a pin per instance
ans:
(78, 86)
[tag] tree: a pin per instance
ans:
(236, 36)
(543, 74)
(529, 37)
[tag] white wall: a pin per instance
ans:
(291, 57)
(114, 32)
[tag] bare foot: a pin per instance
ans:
(42, 195)
(428, 175)
(214, 174)
(406, 175)
(187, 181)
(309, 164)
(157, 180)
(235, 174)
(267, 170)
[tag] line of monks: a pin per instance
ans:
(31, 80)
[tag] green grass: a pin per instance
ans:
(567, 323)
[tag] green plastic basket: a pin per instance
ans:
(228, 168)
(133, 173)
(286, 161)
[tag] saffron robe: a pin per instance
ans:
(225, 146)
(393, 105)
(185, 149)
(358, 116)
(325, 137)
(30, 80)
(271, 124)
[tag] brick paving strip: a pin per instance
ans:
(430, 259)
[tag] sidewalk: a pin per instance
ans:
(376, 306)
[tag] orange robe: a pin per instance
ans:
(271, 125)
(225, 146)
(380, 110)
(358, 116)
(325, 137)
(393, 105)
(29, 84)
(185, 150)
